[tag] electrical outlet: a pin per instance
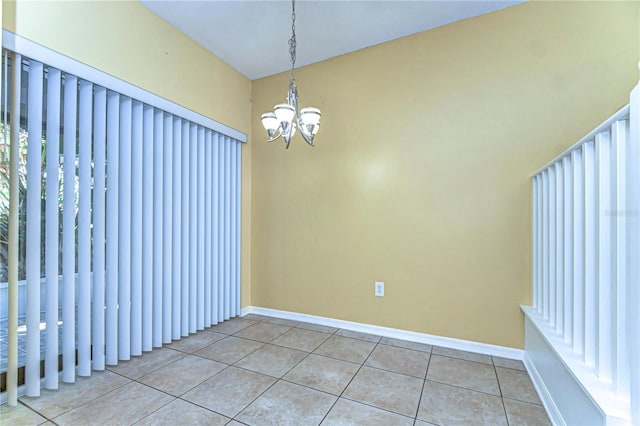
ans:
(379, 289)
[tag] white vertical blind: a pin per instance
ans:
(217, 227)
(193, 228)
(85, 124)
(69, 231)
(99, 232)
(208, 299)
(147, 228)
(34, 188)
(113, 158)
(200, 229)
(52, 227)
(184, 225)
(237, 220)
(140, 187)
(227, 228)
(124, 232)
(176, 251)
(221, 227)
(167, 234)
(158, 144)
(137, 111)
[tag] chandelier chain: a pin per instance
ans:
(292, 40)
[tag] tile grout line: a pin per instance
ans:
(424, 385)
(504, 409)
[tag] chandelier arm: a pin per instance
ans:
(276, 136)
(303, 132)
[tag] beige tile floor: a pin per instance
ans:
(267, 371)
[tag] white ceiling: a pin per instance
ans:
(252, 36)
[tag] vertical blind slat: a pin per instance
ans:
(85, 125)
(222, 284)
(52, 227)
(184, 245)
(193, 227)
(136, 227)
(200, 229)
(147, 227)
(99, 232)
(68, 231)
(215, 270)
(207, 229)
(32, 266)
(238, 217)
(167, 243)
(158, 139)
(227, 230)
(176, 251)
(113, 159)
(124, 232)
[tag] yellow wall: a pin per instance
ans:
(128, 41)
(420, 177)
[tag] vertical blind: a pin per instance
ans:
(134, 211)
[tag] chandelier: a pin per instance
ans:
(285, 118)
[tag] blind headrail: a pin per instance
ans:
(620, 115)
(40, 53)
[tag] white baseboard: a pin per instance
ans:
(545, 396)
(446, 342)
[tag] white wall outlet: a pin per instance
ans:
(379, 289)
